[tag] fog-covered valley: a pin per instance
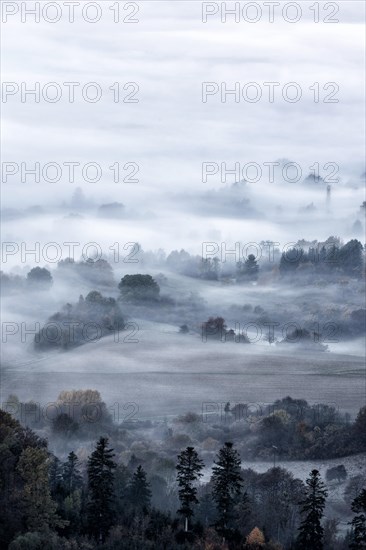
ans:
(151, 361)
(162, 349)
(183, 276)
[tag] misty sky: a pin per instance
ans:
(170, 132)
(169, 53)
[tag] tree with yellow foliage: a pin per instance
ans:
(256, 537)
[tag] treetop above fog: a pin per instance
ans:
(139, 287)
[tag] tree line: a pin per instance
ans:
(326, 259)
(50, 504)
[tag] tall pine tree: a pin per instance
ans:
(72, 492)
(188, 472)
(311, 530)
(121, 489)
(227, 481)
(100, 483)
(71, 477)
(139, 491)
(358, 535)
(247, 270)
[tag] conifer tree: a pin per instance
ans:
(247, 270)
(121, 489)
(139, 491)
(100, 483)
(227, 481)
(72, 479)
(358, 535)
(311, 530)
(188, 472)
(55, 476)
(350, 258)
(251, 268)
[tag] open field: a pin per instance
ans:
(166, 373)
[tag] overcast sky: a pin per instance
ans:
(169, 53)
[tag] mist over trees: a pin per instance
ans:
(183, 268)
(329, 259)
(151, 497)
(79, 479)
(96, 271)
(89, 319)
(40, 277)
(138, 288)
(334, 270)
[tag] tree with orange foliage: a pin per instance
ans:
(256, 537)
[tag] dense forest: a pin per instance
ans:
(80, 480)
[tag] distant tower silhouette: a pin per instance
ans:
(329, 190)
